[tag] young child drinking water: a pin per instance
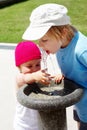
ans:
(51, 26)
(28, 61)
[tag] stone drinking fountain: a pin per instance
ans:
(51, 102)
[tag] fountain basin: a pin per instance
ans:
(51, 102)
(59, 96)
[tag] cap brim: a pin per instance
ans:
(35, 33)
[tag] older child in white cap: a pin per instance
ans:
(50, 24)
(28, 61)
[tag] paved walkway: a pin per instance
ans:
(7, 90)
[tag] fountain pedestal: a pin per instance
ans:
(51, 102)
(53, 120)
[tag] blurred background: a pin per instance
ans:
(14, 16)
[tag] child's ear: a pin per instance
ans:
(63, 33)
(64, 30)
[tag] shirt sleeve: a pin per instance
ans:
(83, 58)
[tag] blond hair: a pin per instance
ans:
(58, 31)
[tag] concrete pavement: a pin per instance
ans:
(7, 90)
(7, 85)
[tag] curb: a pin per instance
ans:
(7, 46)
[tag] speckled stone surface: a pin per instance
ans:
(53, 120)
(51, 102)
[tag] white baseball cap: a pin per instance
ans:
(43, 18)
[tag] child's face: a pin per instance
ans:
(50, 44)
(30, 66)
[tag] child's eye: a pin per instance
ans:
(29, 66)
(44, 40)
(38, 65)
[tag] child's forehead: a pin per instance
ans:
(32, 61)
(45, 36)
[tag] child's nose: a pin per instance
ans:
(34, 69)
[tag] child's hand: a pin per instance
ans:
(42, 77)
(57, 78)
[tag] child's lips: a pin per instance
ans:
(47, 52)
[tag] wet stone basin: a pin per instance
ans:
(51, 102)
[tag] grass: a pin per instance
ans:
(14, 19)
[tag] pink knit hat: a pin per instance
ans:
(26, 51)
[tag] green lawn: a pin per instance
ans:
(14, 19)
